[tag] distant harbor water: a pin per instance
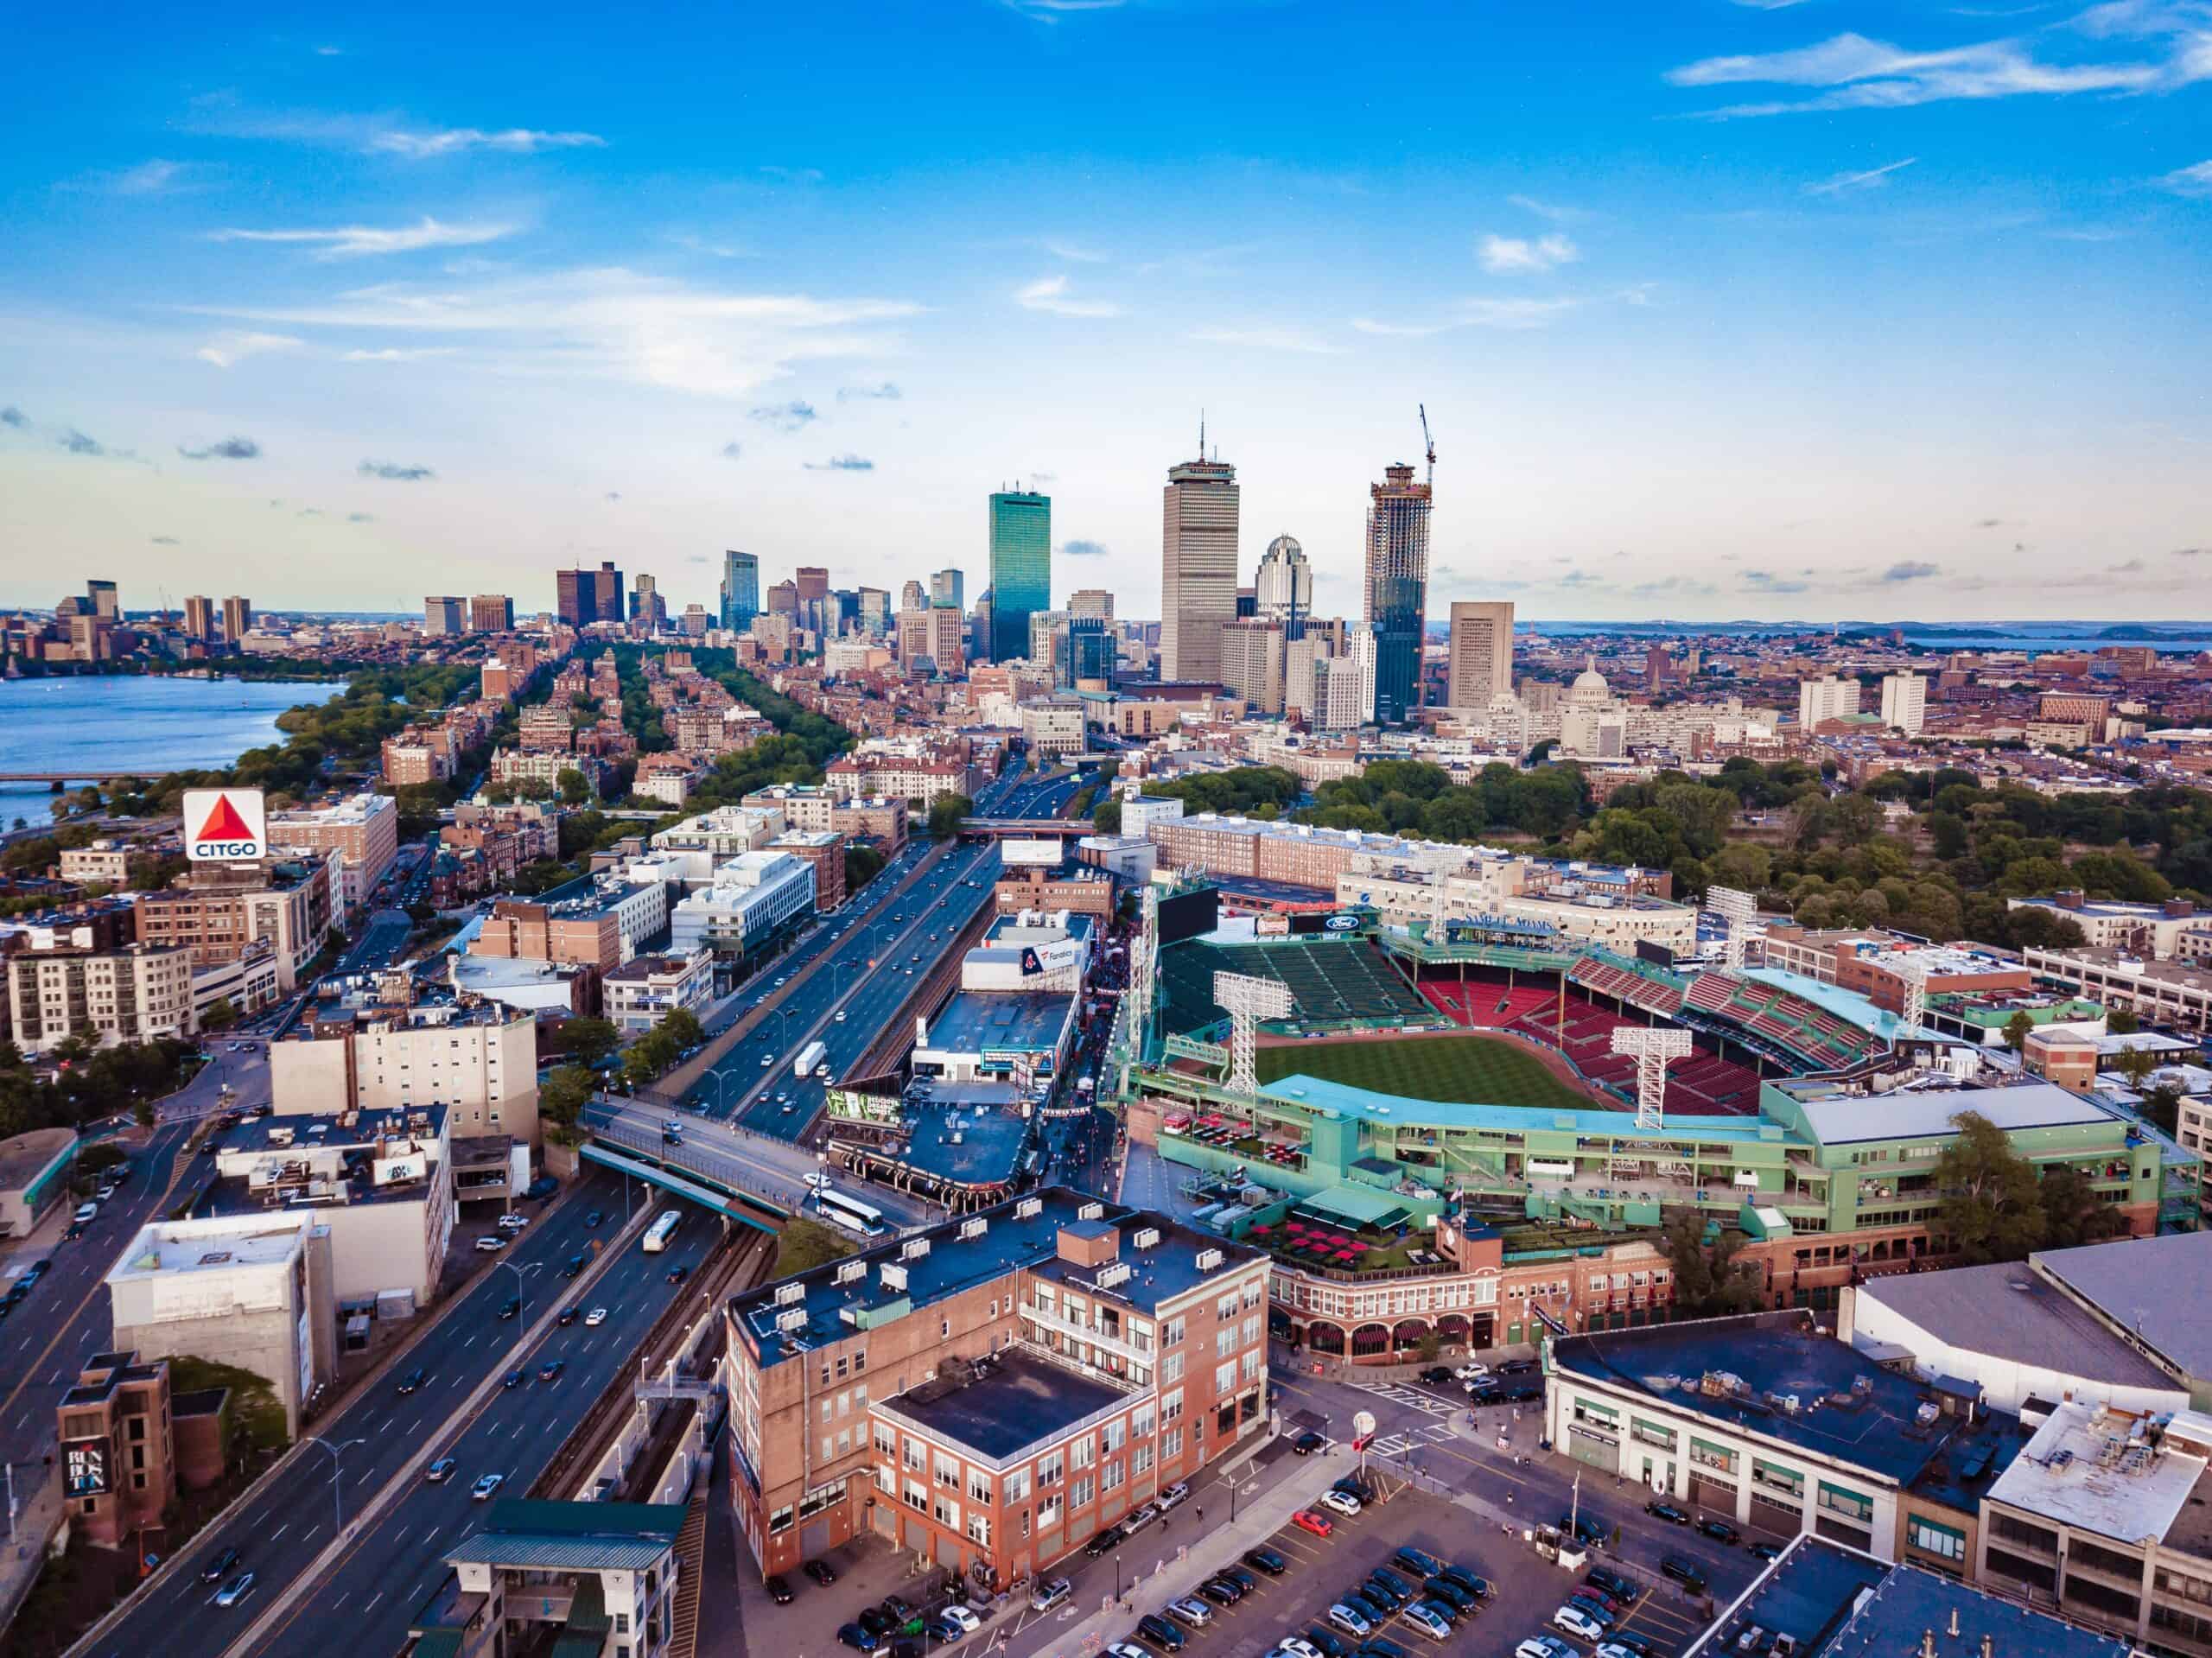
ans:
(137, 722)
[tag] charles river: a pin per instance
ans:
(132, 722)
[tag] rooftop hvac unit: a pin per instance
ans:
(851, 1271)
(894, 1275)
(791, 1319)
(790, 1292)
(974, 1227)
(1116, 1274)
(1210, 1258)
(1146, 1238)
(1027, 1207)
(1091, 1212)
(913, 1248)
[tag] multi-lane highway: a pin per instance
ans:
(390, 1565)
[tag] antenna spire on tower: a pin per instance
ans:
(1202, 434)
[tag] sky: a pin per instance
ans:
(1810, 309)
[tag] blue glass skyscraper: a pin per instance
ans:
(1021, 568)
(741, 590)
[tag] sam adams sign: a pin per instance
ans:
(225, 825)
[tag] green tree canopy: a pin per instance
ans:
(1992, 1209)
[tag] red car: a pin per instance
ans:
(1319, 1524)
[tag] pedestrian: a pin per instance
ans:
(1201, 1512)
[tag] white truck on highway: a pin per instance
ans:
(809, 1058)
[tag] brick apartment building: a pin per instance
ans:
(220, 913)
(813, 809)
(419, 753)
(61, 984)
(118, 1452)
(1875, 964)
(825, 850)
(359, 836)
(524, 930)
(1081, 891)
(991, 1392)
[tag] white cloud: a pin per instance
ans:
(1874, 178)
(606, 324)
(1507, 314)
(1502, 254)
(227, 349)
(1074, 252)
(1856, 73)
(1268, 338)
(1050, 11)
(1050, 295)
(1768, 5)
(357, 241)
(396, 354)
(2191, 180)
(1551, 209)
(514, 141)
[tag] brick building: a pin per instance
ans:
(359, 836)
(825, 850)
(992, 1392)
(117, 1456)
(221, 913)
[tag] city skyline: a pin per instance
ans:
(1799, 311)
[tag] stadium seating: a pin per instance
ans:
(1330, 982)
(1480, 1003)
(1701, 1085)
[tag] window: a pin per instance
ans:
(1171, 1405)
(1932, 1538)
(1251, 1330)
(979, 1486)
(1083, 1452)
(886, 1442)
(1787, 1481)
(1079, 1493)
(1140, 1458)
(1141, 1422)
(1050, 1468)
(1171, 1333)
(1171, 1444)
(948, 1470)
(1704, 1452)
(1224, 1341)
(1652, 1433)
(1170, 1367)
(1224, 1377)
(1114, 1435)
(1017, 1486)
(1048, 1511)
(1254, 1362)
(1225, 1308)
(1110, 1475)
(621, 1622)
(979, 1529)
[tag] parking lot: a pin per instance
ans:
(1318, 1571)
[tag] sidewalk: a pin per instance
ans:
(38, 1517)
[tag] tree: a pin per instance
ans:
(2136, 1065)
(2161, 1107)
(1991, 1206)
(562, 1099)
(589, 1041)
(2071, 1212)
(575, 787)
(945, 813)
(1107, 820)
(2121, 1021)
(2018, 1029)
(683, 1028)
(219, 1016)
(1711, 1283)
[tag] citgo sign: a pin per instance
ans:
(225, 825)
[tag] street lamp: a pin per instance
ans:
(337, 1489)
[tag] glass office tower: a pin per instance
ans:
(741, 590)
(1397, 589)
(1021, 568)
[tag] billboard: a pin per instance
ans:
(1271, 926)
(1188, 914)
(225, 825)
(1035, 854)
(84, 1467)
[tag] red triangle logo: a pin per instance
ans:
(224, 823)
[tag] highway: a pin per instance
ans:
(390, 1567)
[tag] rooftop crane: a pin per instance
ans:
(1430, 444)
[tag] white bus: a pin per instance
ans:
(658, 1234)
(849, 1212)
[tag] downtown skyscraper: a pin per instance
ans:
(1397, 589)
(740, 594)
(1021, 568)
(1198, 566)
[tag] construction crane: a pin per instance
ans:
(1430, 444)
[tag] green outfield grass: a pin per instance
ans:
(1468, 1070)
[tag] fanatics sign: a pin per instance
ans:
(225, 825)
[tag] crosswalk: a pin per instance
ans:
(1396, 1444)
(1412, 1398)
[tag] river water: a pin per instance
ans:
(133, 722)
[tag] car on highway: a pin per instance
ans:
(220, 1566)
(87, 1213)
(235, 1591)
(820, 1571)
(593, 1219)
(511, 1307)
(568, 1316)
(678, 1274)
(481, 1491)
(75, 1229)
(105, 1193)
(512, 1379)
(551, 1370)
(595, 1318)
(440, 1471)
(1319, 1524)
(414, 1379)
(574, 1265)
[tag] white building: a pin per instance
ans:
(1140, 812)
(750, 897)
(62, 984)
(716, 836)
(1053, 729)
(1904, 702)
(1482, 654)
(647, 988)
(1826, 698)
(253, 1291)
(479, 1060)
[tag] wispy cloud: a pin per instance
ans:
(1507, 314)
(1911, 570)
(1874, 178)
(12, 415)
(226, 448)
(1849, 71)
(359, 241)
(396, 354)
(842, 463)
(784, 416)
(1075, 252)
(1050, 295)
(1050, 11)
(165, 541)
(360, 518)
(1268, 338)
(2195, 181)
(1080, 547)
(454, 141)
(732, 450)
(694, 243)
(1551, 209)
(231, 348)
(1768, 582)
(78, 443)
(882, 392)
(150, 178)
(793, 174)
(606, 323)
(1509, 254)
(1768, 5)
(612, 495)
(392, 472)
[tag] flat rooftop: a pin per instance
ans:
(371, 1124)
(2160, 1288)
(531, 1534)
(962, 1144)
(977, 1020)
(174, 1246)
(26, 1157)
(1018, 1400)
(2008, 1312)
(1008, 1241)
(1777, 1354)
(1837, 1117)
(2101, 1471)
(1805, 1595)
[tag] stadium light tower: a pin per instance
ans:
(1248, 999)
(1143, 948)
(1655, 1050)
(1914, 972)
(1735, 909)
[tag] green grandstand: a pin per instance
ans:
(1455, 1070)
(1333, 983)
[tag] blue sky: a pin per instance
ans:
(1722, 308)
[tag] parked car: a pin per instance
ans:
(1543, 1646)
(1053, 1595)
(1617, 1645)
(1667, 1512)
(1125, 1649)
(1331, 1644)
(877, 1622)
(820, 1571)
(1764, 1551)
(1573, 1620)
(1359, 1486)
(1437, 1375)
(858, 1639)
(1319, 1524)
(490, 1243)
(1353, 1623)
(1480, 1587)
(1172, 1495)
(512, 1222)
(967, 1620)
(1221, 1591)
(1618, 1584)
(1420, 1562)
(1448, 1593)
(1425, 1617)
(1161, 1633)
(220, 1566)
(1191, 1611)
(1308, 1442)
(1720, 1530)
(1268, 1560)
(778, 1590)
(1343, 1502)
(1104, 1543)
(1688, 1573)
(1293, 1646)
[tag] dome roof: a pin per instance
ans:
(1285, 547)
(1590, 685)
